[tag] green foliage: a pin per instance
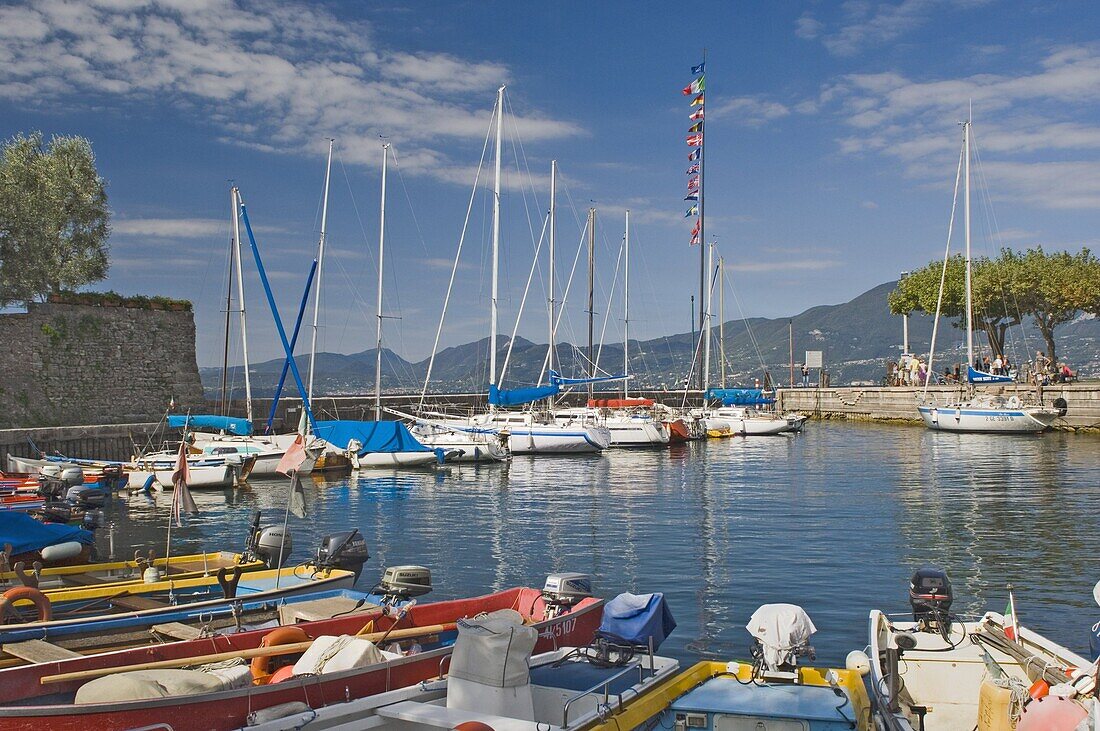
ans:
(1051, 288)
(53, 217)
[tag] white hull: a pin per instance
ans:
(636, 433)
(976, 419)
(461, 446)
(392, 460)
(548, 439)
(199, 478)
(746, 425)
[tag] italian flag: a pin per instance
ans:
(1012, 623)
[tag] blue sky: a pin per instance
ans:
(832, 141)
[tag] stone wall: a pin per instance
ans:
(66, 364)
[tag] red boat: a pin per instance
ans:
(28, 703)
(678, 431)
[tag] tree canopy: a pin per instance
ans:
(1051, 288)
(54, 220)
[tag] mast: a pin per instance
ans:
(496, 246)
(705, 322)
(553, 234)
(320, 267)
(966, 216)
(591, 278)
(703, 237)
(381, 260)
(240, 295)
(721, 324)
(626, 308)
(224, 405)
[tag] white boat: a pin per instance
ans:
(933, 675)
(199, 477)
(205, 471)
(461, 445)
(974, 412)
(529, 433)
(628, 427)
(728, 421)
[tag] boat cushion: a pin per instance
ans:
(145, 684)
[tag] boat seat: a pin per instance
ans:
(429, 714)
(177, 631)
(84, 580)
(137, 603)
(39, 651)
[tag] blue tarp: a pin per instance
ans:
(25, 534)
(374, 436)
(520, 396)
(981, 377)
(635, 618)
(739, 396)
(228, 424)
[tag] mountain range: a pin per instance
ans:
(857, 339)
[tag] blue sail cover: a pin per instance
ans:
(739, 396)
(637, 618)
(520, 396)
(374, 436)
(981, 377)
(26, 534)
(227, 424)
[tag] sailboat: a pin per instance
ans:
(977, 412)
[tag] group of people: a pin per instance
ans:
(912, 370)
(1000, 365)
(1047, 372)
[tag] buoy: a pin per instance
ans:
(26, 593)
(61, 551)
(473, 726)
(286, 672)
(1051, 714)
(261, 666)
(151, 575)
(1039, 689)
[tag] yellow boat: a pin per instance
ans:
(122, 572)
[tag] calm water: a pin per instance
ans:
(834, 519)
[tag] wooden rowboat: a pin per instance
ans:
(117, 573)
(27, 702)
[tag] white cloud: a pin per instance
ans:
(749, 110)
(864, 24)
(783, 266)
(170, 228)
(807, 26)
(268, 75)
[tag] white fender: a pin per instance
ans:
(61, 551)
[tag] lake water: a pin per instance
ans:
(835, 519)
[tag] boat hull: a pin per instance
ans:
(637, 433)
(536, 440)
(393, 460)
(211, 477)
(986, 420)
(230, 709)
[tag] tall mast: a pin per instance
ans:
(553, 234)
(702, 233)
(381, 260)
(706, 320)
(496, 245)
(320, 268)
(244, 319)
(224, 404)
(591, 304)
(966, 216)
(721, 323)
(626, 308)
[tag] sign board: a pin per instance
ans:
(813, 359)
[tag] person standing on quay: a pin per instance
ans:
(805, 376)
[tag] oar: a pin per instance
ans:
(289, 649)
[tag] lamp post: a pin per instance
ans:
(904, 321)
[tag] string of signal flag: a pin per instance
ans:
(696, 89)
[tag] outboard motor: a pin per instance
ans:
(404, 582)
(86, 497)
(72, 476)
(92, 520)
(273, 546)
(55, 512)
(563, 591)
(51, 487)
(930, 596)
(781, 635)
(345, 550)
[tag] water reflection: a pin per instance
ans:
(834, 519)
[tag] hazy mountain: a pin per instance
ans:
(857, 339)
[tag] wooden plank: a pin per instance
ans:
(84, 580)
(314, 609)
(177, 630)
(37, 651)
(137, 603)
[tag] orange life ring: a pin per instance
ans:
(261, 666)
(28, 593)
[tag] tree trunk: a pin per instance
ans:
(1046, 327)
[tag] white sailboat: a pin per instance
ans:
(992, 413)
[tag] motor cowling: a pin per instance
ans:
(86, 497)
(72, 476)
(273, 546)
(930, 596)
(565, 590)
(344, 550)
(405, 582)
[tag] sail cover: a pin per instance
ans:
(520, 396)
(739, 396)
(227, 424)
(25, 534)
(373, 436)
(975, 376)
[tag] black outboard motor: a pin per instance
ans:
(930, 596)
(345, 550)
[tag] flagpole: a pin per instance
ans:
(286, 523)
(702, 209)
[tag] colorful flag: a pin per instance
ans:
(695, 239)
(693, 169)
(1012, 622)
(698, 69)
(693, 155)
(695, 228)
(691, 197)
(697, 127)
(695, 140)
(292, 458)
(697, 101)
(693, 182)
(181, 496)
(695, 87)
(693, 211)
(696, 115)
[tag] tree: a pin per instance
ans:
(54, 220)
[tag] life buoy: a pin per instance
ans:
(27, 593)
(261, 666)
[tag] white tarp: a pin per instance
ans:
(493, 650)
(780, 628)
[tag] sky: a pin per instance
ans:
(832, 140)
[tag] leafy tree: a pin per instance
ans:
(1053, 288)
(53, 217)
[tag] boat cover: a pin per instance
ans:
(227, 424)
(373, 436)
(494, 649)
(618, 403)
(26, 534)
(780, 628)
(975, 376)
(739, 396)
(636, 618)
(520, 396)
